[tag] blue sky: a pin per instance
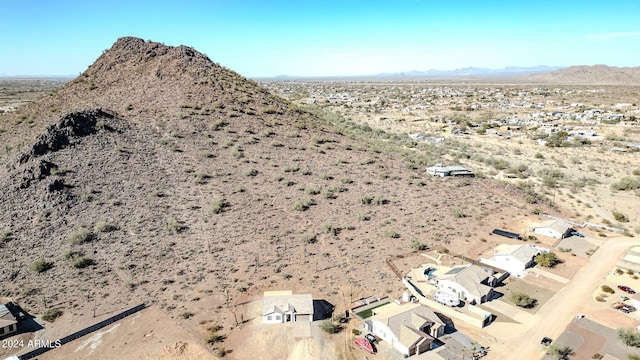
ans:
(323, 38)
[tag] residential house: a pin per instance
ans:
(472, 283)
(8, 323)
(557, 229)
(455, 170)
(514, 259)
(410, 328)
(283, 307)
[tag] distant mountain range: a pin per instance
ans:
(475, 71)
(587, 75)
(572, 75)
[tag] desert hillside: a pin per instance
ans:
(159, 176)
(589, 75)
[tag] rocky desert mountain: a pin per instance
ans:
(590, 75)
(159, 176)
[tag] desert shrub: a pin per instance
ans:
(5, 237)
(251, 172)
(365, 199)
(309, 239)
(186, 315)
(379, 200)
(214, 337)
(328, 194)
(103, 226)
(629, 337)
(303, 204)
(346, 180)
(80, 236)
(391, 234)
(523, 300)
(559, 352)
(174, 225)
(327, 228)
(417, 245)
(626, 183)
(217, 205)
(607, 289)
(546, 259)
(79, 262)
(363, 217)
(51, 315)
(330, 327)
(458, 214)
(312, 191)
(620, 216)
(339, 188)
(41, 265)
(355, 332)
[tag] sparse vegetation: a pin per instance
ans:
(41, 265)
(629, 337)
(217, 205)
(546, 259)
(620, 216)
(523, 300)
(80, 236)
(103, 226)
(51, 315)
(607, 289)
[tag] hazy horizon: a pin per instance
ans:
(326, 38)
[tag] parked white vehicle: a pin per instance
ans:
(446, 299)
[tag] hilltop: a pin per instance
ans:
(590, 75)
(159, 175)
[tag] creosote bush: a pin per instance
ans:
(80, 236)
(51, 315)
(41, 265)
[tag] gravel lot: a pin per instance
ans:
(587, 338)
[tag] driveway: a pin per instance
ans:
(554, 316)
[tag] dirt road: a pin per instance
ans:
(555, 315)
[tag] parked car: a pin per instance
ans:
(546, 341)
(575, 233)
(617, 305)
(626, 289)
(627, 309)
(623, 298)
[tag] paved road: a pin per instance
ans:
(554, 316)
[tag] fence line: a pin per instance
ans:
(83, 332)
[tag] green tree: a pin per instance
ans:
(629, 337)
(546, 259)
(559, 351)
(523, 300)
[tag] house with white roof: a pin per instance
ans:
(283, 307)
(514, 259)
(557, 229)
(8, 323)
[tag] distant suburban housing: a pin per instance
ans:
(8, 323)
(558, 229)
(283, 306)
(454, 170)
(514, 259)
(472, 283)
(410, 328)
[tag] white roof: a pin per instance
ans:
(287, 303)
